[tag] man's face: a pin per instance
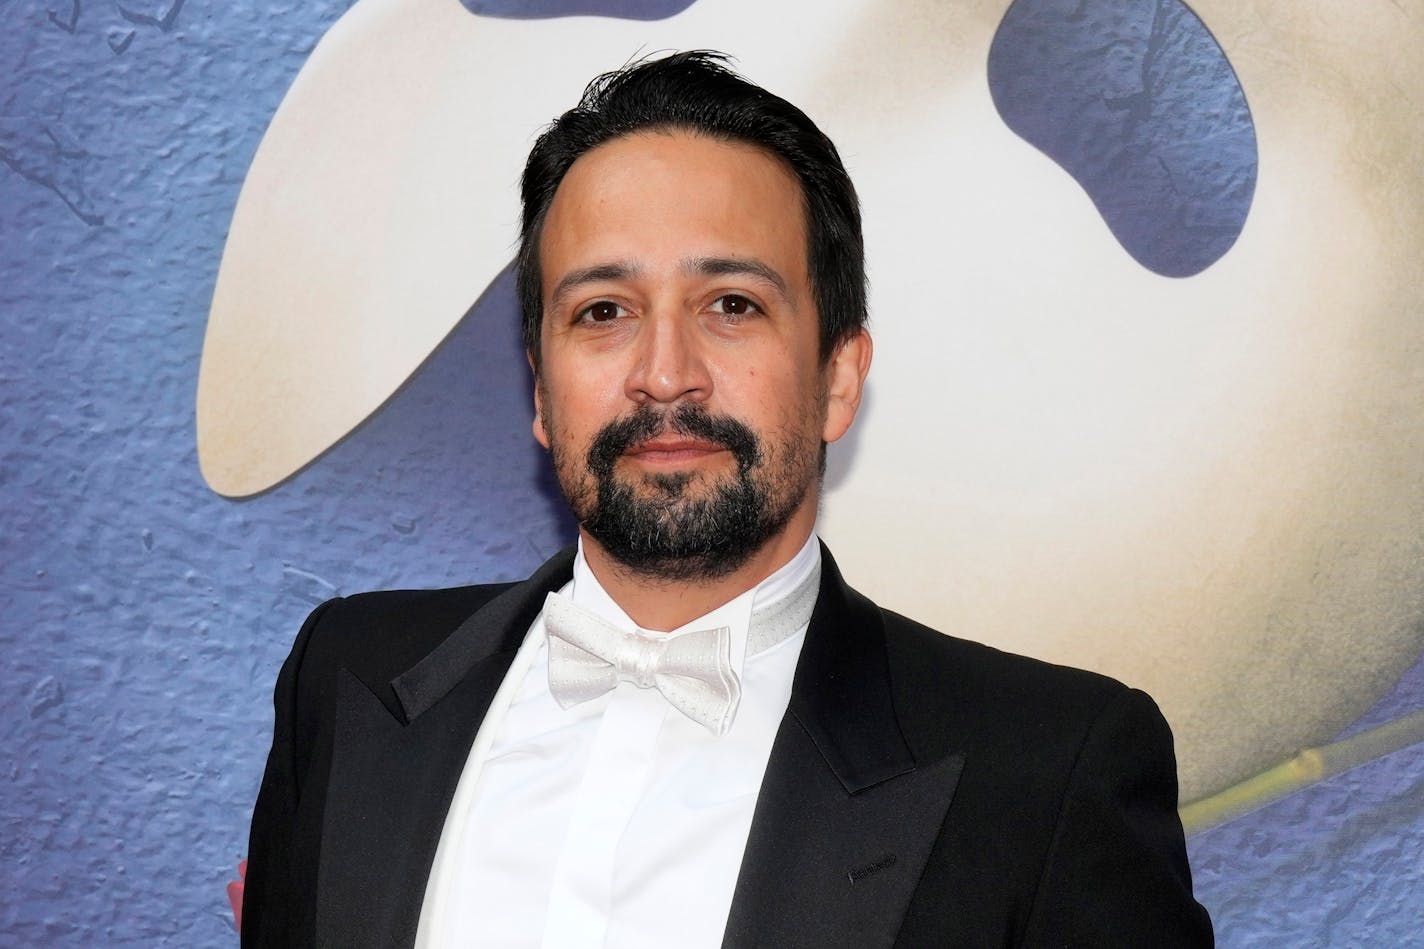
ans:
(680, 389)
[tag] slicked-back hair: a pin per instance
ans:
(697, 92)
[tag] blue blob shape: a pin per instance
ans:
(546, 9)
(1135, 100)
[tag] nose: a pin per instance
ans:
(670, 365)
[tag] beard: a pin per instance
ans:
(676, 526)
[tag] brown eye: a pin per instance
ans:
(733, 304)
(601, 312)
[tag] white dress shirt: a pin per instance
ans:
(618, 822)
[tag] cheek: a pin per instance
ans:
(772, 379)
(764, 398)
(581, 387)
(576, 411)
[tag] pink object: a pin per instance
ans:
(234, 893)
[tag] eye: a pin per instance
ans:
(600, 311)
(734, 304)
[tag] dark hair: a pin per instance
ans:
(697, 92)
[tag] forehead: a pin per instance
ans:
(648, 195)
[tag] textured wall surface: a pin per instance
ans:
(1338, 864)
(144, 617)
(1137, 102)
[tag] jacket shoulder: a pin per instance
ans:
(1067, 799)
(380, 634)
(960, 676)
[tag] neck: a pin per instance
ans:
(661, 605)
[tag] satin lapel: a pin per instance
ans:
(846, 817)
(392, 778)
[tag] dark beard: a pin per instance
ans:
(670, 536)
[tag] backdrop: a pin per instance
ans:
(1148, 395)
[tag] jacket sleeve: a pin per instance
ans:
(1116, 873)
(275, 910)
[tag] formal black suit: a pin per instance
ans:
(922, 790)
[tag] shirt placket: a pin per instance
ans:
(620, 765)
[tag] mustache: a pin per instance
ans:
(689, 419)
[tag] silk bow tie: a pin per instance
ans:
(589, 656)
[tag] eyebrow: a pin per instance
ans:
(704, 266)
(736, 266)
(595, 274)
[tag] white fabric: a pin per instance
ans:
(589, 656)
(618, 822)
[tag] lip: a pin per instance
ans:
(673, 450)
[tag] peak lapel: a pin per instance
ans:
(392, 778)
(846, 817)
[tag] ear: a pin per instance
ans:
(541, 434)
(845, 381)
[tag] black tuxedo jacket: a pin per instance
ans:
(922, 791)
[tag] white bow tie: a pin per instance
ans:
(589, 656)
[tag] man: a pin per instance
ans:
(690, 731)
